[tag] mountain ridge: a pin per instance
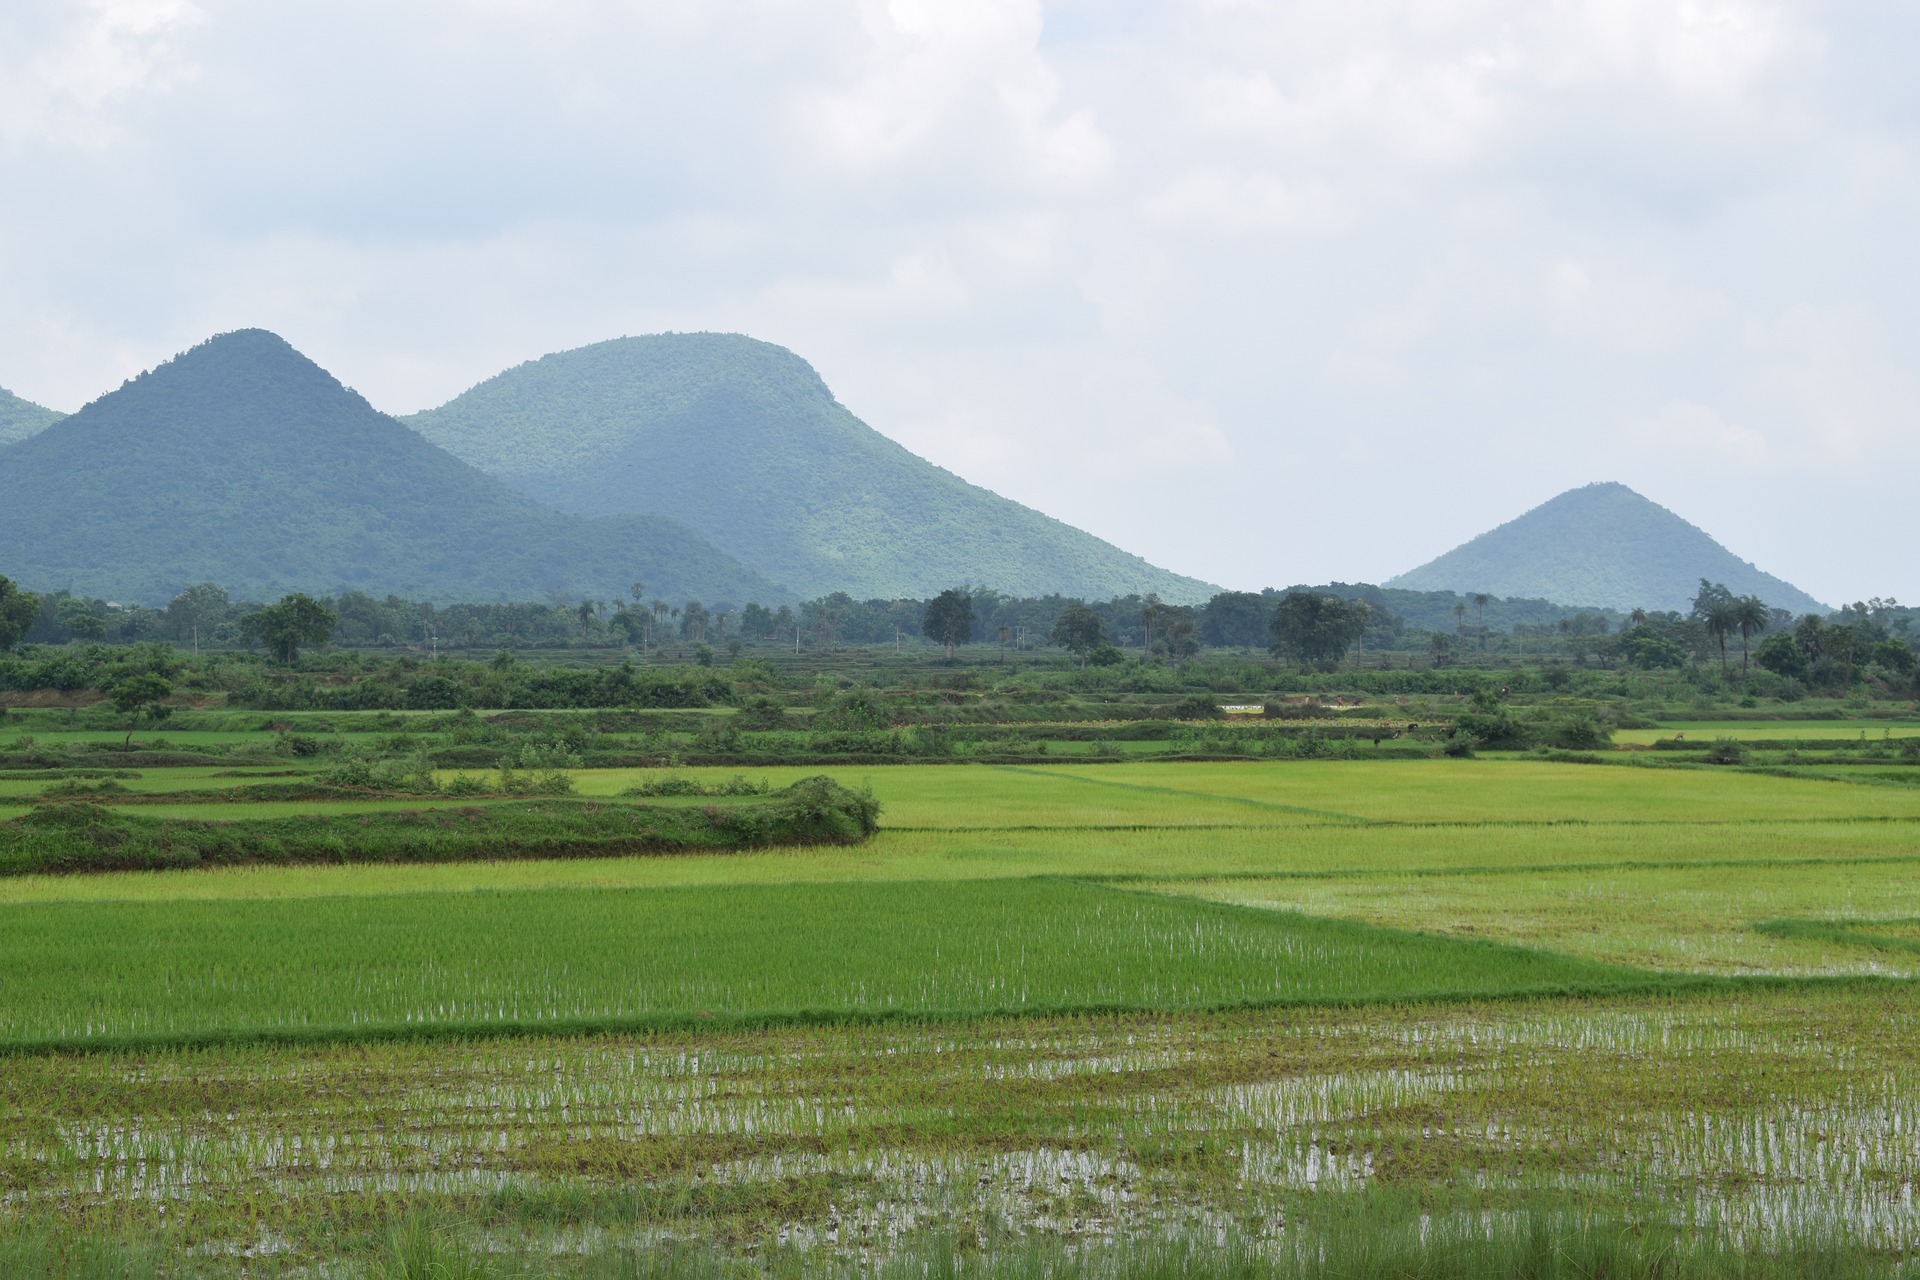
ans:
(242, 462)
(22, 418)
(790, 480)
(1600, 546)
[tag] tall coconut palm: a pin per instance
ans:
(1480, 599)
(1721, 622)
(1750, 615)
(1149, 610)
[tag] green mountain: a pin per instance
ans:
(1600, 546)
(22, 418)
(741, 441)
(242, 462)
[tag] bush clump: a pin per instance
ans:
(1727, 751)
(83, 835)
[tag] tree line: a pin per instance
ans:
(1313, 627)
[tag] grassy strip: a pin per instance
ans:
(1502, 869)
(480, 1031)
(1847, 933)
(74, 837)
(1215, 797)
(1449, 824)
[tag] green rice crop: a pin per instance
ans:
(812, 1049)
(1824, 731)
(1750, 1121)
(1334, 851)
(104, 971)
(1267, 793)
(1677, 919)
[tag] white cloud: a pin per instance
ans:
(88, 61)
(932, 74)
(1243, 203)
(1684, 425)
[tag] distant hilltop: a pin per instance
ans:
(1601, 546)
(741, 442)
(242, 462)
(709, 466)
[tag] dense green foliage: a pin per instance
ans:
(948, 619)
(243, 463)
(1602, 546)
(741, 442)
(296, 620)
(69, 836)
(18, 610)
(1316, 630)
(22, 418)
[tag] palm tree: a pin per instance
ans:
(1459, 618)
(1751, 616)
(1149, 610)
(1720, 623)
(1480, 599)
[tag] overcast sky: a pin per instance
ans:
(1266, 292)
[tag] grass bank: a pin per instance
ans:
(76, 836)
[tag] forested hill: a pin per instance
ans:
(743, 443)
(22, 418)
(244, 463)
(1604, 546)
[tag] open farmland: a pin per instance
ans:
(1062, 1001)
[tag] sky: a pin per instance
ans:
(1266, 292)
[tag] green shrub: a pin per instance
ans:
(761, 714)
(1726, 751)
(854, 710)
(672, 784)
(1499, 731)
(1577, 733)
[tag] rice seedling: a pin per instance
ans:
(343, 967)
(1723, 919)
(949, 797)
(1733, 1129)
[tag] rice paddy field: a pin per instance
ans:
(1074, 1005)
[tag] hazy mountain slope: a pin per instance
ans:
(244, 463)
(22, 418)
(741, 441)
(1602, 545)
